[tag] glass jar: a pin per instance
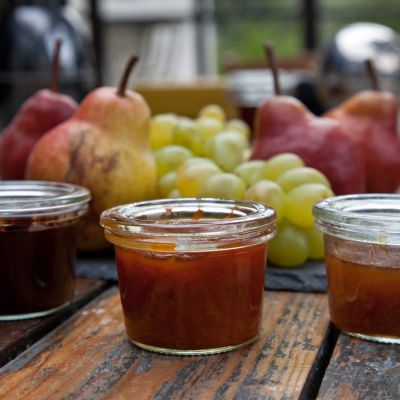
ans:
(38, 246)
(362, 253)
(191, 272)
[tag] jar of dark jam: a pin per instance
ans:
(362, 254)
(191, 272)
(38, 222)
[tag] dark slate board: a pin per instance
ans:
(310, 277)
(97, 268)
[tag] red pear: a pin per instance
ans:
(40, 113)
(283, 124)
(369, 118)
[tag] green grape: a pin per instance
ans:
(236, 136)
(226, 149)
(174, 194)
(223, 185)
(166, 184)
(275, 166)
(300, 201)
(187, 134)
(289, 247)
(189, 180)
(240, 126)
(247, 154)
(299, 176)
(249, 171)
(209, 127)
(162, 128)
(169, 158)
(213, 111)
(269, 193)
(315, 239)
(196, 160)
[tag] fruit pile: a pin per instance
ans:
(295, 159)
(208, 157)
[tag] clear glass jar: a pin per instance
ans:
(191, 272)
(38, 246)
(362, 253)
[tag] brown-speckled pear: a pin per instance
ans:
(103, 147)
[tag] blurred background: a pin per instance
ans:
(199, 52)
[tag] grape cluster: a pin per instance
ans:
(208, 157)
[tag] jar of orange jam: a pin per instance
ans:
(191, 272)
(38, 226)
(362, 254)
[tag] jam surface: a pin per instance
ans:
(37, 269)
(363, 298)
(189, 301)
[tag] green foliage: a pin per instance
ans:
(245, 25)
(245, 39)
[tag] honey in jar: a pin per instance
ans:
(38, 223)
(191, 272)
(362, 254)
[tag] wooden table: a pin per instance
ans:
(83, 353)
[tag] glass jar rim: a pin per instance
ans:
(25, 199)
(163, 217)
(372, 217)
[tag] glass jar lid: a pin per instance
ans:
(41, 199)
(194, 220)
(371, 218)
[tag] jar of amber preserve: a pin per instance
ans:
(191, 272)
(362, 253)
(37, 246)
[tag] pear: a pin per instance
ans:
(370, 119)
(38, 114)
(284, 125)
(104, 146)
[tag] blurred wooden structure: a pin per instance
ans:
(186, 99)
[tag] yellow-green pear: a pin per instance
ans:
(104, 146)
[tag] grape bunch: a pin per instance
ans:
(208, 157)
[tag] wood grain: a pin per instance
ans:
(15, 336)
(360, 369)
(89, 357)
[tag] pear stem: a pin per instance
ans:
(269, 50)
(55, 66)
(373, 76)
(125, 76)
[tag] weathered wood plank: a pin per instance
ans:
(89, 357)
(361, 369)
(314, 379)
(15, 336)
